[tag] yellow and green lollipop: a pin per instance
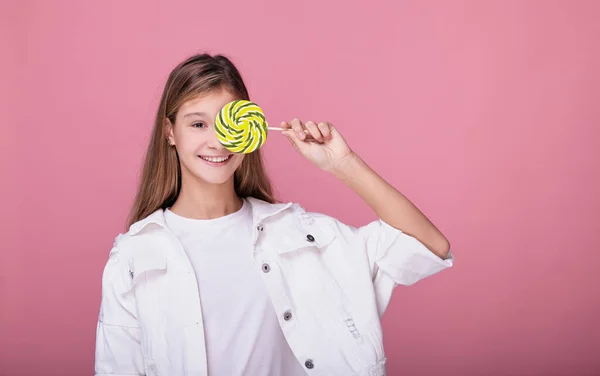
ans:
(241, 126)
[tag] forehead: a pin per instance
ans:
(210, 103)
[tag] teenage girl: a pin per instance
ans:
(214, 277)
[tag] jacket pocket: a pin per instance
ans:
(312, 284)
(295, 239)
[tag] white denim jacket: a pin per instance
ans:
(335, 279)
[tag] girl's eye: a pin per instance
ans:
(199, 125)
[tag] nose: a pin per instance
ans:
(213, 141)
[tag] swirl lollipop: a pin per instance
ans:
(241, 126)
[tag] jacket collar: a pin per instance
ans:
(260, 211)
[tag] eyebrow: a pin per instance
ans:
(196, 114)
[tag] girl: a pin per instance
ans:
(215, 278)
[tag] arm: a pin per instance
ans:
(328, 150)
(389, 204)
(118, 335)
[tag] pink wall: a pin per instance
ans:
(485, 113)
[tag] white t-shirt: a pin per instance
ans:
(243, 336)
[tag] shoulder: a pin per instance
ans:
(285, 210)
(125, 244)
(140, 232)
(294, 214)
(122, 242)
(351, 235)
(120, 253)
(132, 253)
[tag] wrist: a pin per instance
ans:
(347, 166)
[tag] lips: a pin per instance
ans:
(216, 159)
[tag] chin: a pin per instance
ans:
(216, 181)
(212, 173)
(213, 179)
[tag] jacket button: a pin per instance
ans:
(266, 268)
(310, 238)
(309, 364)
(287, 316)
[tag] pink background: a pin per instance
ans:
(485, 113)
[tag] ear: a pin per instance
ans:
(168, 127)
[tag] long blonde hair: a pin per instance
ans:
(160, 181)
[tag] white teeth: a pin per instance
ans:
(215, 159)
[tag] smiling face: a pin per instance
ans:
(201, 155)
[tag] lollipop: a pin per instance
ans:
(241, 126)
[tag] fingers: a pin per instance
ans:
(292, 136)
(298, 129)
(289, 133)
(309, 131)
(325, 130)
(314, 131)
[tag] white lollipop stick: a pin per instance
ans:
(306, 132)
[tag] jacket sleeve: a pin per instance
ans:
(118, 335)
(394, 257)
(401, 257)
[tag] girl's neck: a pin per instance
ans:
(199, 200)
